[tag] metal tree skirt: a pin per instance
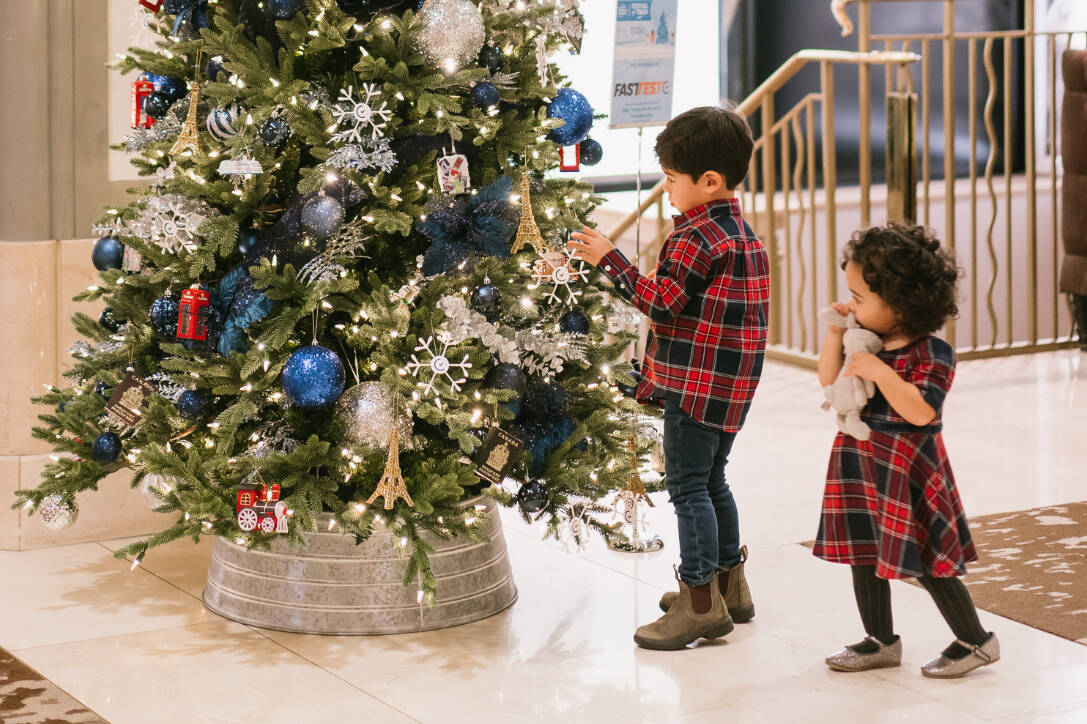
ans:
(333, 586)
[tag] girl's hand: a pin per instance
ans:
(867, 366)
(840, 308)
(589, 245)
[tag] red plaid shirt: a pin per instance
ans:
(707, 309)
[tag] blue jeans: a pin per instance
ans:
(695, 456)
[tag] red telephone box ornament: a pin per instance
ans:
(193, 318)
(140, 90)
(570, 158)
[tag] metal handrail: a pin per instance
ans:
(771, 85)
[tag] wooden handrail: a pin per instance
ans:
(771, 85)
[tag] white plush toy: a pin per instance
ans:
(849, 395)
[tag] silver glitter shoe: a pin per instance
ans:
(944, 668)
(849, 660)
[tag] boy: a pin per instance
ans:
(707, 306)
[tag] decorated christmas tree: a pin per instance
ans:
(345, 290)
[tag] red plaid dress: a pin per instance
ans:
(891, 502)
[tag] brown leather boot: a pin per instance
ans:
(734, 590)
(680, 625)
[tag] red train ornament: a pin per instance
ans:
(259, 506)
(192, 320)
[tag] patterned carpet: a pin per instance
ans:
(1032, 568)
(26, 697)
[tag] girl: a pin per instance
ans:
(890, 508)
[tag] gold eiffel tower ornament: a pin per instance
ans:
(189, 138)
(634, 481)
(391, 486)
(527, 232)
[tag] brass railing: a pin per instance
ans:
(1008, 304)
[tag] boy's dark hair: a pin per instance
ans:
(906, 267)
(707, 138)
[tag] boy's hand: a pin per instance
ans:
(589, 245)
(867, 366)
(840, 308)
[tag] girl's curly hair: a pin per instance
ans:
(906, 267)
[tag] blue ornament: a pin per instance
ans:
(574, 322)
(486, 300)
(110, 322)
(192, 404)
(102, 390)
(108, 253)
(163, 315)
(313, 377)
(274, 132)
(213, 67)
(591, 152)
(157, 104)
(485, 95)
(574, 108)
(106, 447)
(174, 88)
(491, 58)
(322, 216)
(532, 497)
(283, 9)
(222, 123)
(248, 241)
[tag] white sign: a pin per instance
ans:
(645, 61)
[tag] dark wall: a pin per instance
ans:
(766, 32)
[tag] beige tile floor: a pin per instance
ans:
(138, 647)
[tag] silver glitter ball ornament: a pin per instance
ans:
(57, 513)
(322, 216)
(452, 33)
(154, 488)
(368, 414)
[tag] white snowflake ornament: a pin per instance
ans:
(439, 365)
(359, 116)
(560, 269)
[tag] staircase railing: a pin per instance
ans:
(999, 211)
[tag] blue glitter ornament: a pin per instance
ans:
(313, 377)
(174, 88)
(192, 404)
(574, 322)
(102, 390)
(322, 216)
(574, 108)
(485, 95)
(106, 448)
(591, 152)
(163, 315)
(283, 9)
(108, 253)
(157, 104)
(274, 132)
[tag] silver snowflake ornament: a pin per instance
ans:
(439, 365)
(560, 269)
(362, 115)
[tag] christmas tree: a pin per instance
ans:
(347, 273)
